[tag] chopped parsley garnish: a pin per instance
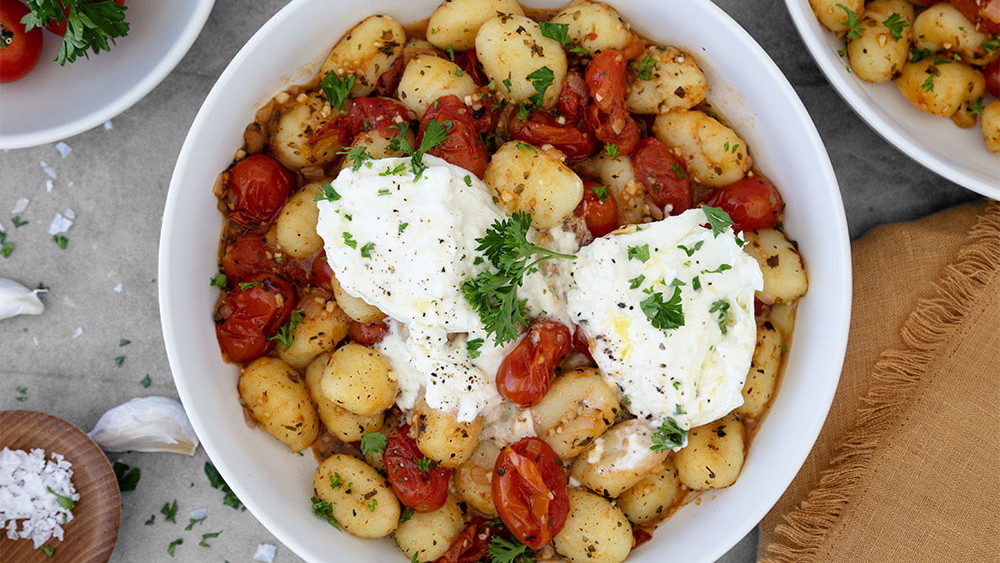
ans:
(173, 544)
(22, 394)
(601, 192)
(217, 482)
(119, 361)
(127, 477)
(327, 192)
(18, 222)
(576, 49)
(895, 24)
(402, 227)
(366, 250)
(718, 219)
(556, 31)
(193, 521)
(473, 346)
(284, 336)
(60, 241)
(407, 514)
(854, 27)
(541, 79)
(208, 536)
(398, 169)
(919, 54)
(349, 239)
(169, 511)
(719, 270)
(336, 481)
(644, 70)
(425, 464)
(928, 85)
(324, 510)
(6, 248)
(664, 315)
(611, 150)
(337, 89)
(991, 46)
(357, 155)
(676, 283)
(90, 26)
(434, 134)
(690, 251)
(696, 283)
(468, 180)
(247, 285)
(669, 435)
(635, 282)
(721, 308)
(373, 443)
(502, 550)
(220, 281)
(493, 293)
(48, 550)
(640, 253)
(976, 108)
(146, 382)
(676, 384)
(124, 342)
(459, 72)
(526, 147)
(63, 501)
(507, 83)
(371, 507)
(678, 171)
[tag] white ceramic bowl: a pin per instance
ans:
(55, 102)
(934, 142)
(749, 90)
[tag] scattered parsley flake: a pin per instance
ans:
(976, 107)
(173, 544)
(349, 239)
(678, 171)
(324, 510)
(919, 54)
(721, 307)
(169, 511)
(696, 283)
(635, 282)
(468, 180)
(576, 49)
(124, 342)
(601, 192)
(611, 150)
(193, 521)
(398, 169)
(366, 250)
(664, 315)
(371, 507)
(690, 251)
(357, 155)
(526, 146)
(928, 85)
(556, 31)
(406, 515)
(991, 46)
(18, 222)
(719, 270)
(217, 482)
(61, 241)
(718, 219)
(669, 435)
(640, 253)
(284, 336)
(63, 501)
(48, 550)
(502, 550)
(337, 89)
(336, 481)
(146, 382)
(507, 84)
(676, 384)
(459, 72)
(644, 70)
(541, 79)
(247, 285)
(473, 346)
(402, 227)
(373, 443)
(895, 23)
(854, 27)
(208, 536)
(127, 477)
(451, 53)
(119, 361)
(425, 464)
(327, 192)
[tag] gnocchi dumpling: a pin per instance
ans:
(360, 500)
(441, 437)
(780, 263)
(295, 127)
(527, 179)
(594, 26)
(516, 55)
(369, 49)
(763, 375)
(939, 89)
(340, 422)
(359, 379)
(670, 79)
(276, 397)
(579, 407)
(427, 78)
(619, 459)
(427, 535)
(878, 54)
(454, 23)
(596, 531)
(319, 330)
(295, 229)
(713, 153)
(713, 456)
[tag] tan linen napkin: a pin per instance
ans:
(907, 466)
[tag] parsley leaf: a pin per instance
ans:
(664, 315)
(349, 239)
(640, 253)
(63, 501)
(919, 54)
(473, 346)
(721, 308)
(60, 241)
(719, 270)
(373, 443)
(991, 46)
(557, 31)
(601, 192)
(146, 382)
(173, 544)
(611, 150)
(669, 436)
(127, 477)
(193, 521)
(215, 479)
(690, 251)
(324, 510)
(425, 464)
(502, 550)
(644, 70)
(402, 227)
(48, 550)
(327, 192)
(928, 85)
(336, 89)
(220, 281)
(208, 536)
(895, 24)
(284, 337)
(718, 219)
(90, 26)
(976, 108)
(678, 171)
(541, 79)
(854, 27)
(366, 250)
(169, 512)
(434, 134)
(406, 515)
(357, 155)
(635, 282)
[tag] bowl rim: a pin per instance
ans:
(839, 318)
(874, 116)
(124, 100)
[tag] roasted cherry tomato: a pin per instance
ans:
(485, 106)
(572, 100)
(526, 373)
(246, 257)
(387, 82)
(984, 14)
(468, 61)
(252, 313)
(472, 545)
(991, 73)
(663, 175)
(365, 114)
(367, 334)
(607, 115)
(19, 49)
(529, 491)
(462, 147)
(541, 128)
(599, 209)
(321, 273)
(259, 186)
(753, 203)
(581, 345)
(423, 491)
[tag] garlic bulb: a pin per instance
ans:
(147, 424)
(15, 299)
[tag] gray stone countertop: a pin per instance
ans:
(104, 284)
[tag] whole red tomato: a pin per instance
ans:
(253, 312)
(991, 73)
(423, 491)
(19, 49)
(529, 491)
(752, 203)
(462, 147)
(607, 115)
(599, 209)
(59, 28)
(526, 373)
(663, 175)
(259, 185)
(246, 257)
(365, 114)
(367, 334)
(541, 128)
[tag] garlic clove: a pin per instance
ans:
(146, 424)
(15, 299)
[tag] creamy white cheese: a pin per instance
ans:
(693, 373)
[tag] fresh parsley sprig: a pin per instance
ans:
(664, 315)
(668, 436)
(718, 219)
(435, 133)
(493, 293)
(337, 88)
(895, 23)
(854, 27)
(90, 26)
(502, 550)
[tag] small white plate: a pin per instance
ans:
(934, 142)
(55, 102)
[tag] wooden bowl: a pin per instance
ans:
(90, 537)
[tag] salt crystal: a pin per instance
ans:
(199, 514)
(35, 340)
(59, 224)
(20, 206)
(48, 185)
(48, 170)
(69, 213)
(2, 229)
(118, 288)
(63, 149)
(108, 126)
(265, 552)
(77, 332)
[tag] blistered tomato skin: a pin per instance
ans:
(529, 491)
(572, 101)
(991, 73)
(663, 175)
(472, 544)
(423, 491)
(525, 375)
(462, 147)
(599, 209)
(259, 185)
(367, 334)
(752, 203)
(542, 128)
(253, 312)
(607, 115)
(21, 49)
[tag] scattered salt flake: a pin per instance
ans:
(265, 552)
(60, 224)
(199, 514)
(35, 340)
(48, 185)
(69, 213)
(48, 170)
(69, 302)
(77, 332)
(108, 126)
(117, 288)
(20, 206)
(63, 149)
(2, 229)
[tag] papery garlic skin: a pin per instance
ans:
(146, 424)
(15, 299)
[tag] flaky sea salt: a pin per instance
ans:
(60, 224)
(69, 213)
(265, 552)
(117, 288)
(48, 185)
(108, 126)
(20, 206)
(30, 491)
(63, 149)
(77, 332)
(48, 170)
(198, 514)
